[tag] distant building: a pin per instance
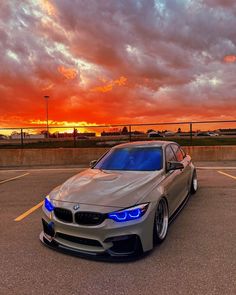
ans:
(229, 131)
(27, 136)
(89, 134)
(119, 133)
(113, 133)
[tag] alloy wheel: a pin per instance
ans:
(162, 219)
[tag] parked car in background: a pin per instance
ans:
(208, 133)
(211, 133)
(169, 133)
(154, 134)
(123, 204)
(2, 137)
(202, 134)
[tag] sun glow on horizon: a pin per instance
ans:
(53, 123)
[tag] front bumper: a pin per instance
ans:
(53, 244)
(105, 240)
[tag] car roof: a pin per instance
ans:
(140, 144)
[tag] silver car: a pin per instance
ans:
(123, 204)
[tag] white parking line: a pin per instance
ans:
(226, 174)
(13, 178)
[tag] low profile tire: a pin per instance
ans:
(161, 222)
(194, 183)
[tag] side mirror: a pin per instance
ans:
(174, 166)
(93, 163)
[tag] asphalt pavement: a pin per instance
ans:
(198, 256)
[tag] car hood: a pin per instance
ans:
(107, 188)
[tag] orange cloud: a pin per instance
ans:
(48, 7)
(230, 58)
(108, 87)
(48, 87)
(68, 73)
(121, 81)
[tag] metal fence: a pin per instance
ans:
(186, 133)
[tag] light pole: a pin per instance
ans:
(46, 99)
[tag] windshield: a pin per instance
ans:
(132, 159)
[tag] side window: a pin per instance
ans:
(178, 152)
(170, 156)
(183, 152)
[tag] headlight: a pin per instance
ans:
(48, 205)
(129, 214)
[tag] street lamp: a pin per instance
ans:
(46, 99)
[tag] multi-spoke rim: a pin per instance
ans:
(162, 219)
(195, 184)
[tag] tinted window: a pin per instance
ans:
(132, 159)
(170, 156)
(177, 152)
(183, 152)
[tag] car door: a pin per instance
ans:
(173, 183)
(184, 174)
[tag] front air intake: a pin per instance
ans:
(79, 240)
(62, 214)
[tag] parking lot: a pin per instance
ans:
(198, 256)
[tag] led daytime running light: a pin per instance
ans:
(129, 214)
(48, 205)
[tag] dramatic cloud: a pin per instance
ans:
(109, 87)
(117, 61)
(68, 73)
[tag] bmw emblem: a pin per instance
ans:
(76, 207)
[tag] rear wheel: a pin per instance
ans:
(161, 222)
(194, 184)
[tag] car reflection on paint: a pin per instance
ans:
(123, 204)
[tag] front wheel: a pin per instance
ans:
(161, 222)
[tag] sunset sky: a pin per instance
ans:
(110, 61)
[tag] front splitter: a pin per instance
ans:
(105, 256)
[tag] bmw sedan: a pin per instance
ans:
(123, 204)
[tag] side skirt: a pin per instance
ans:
(178, 210)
